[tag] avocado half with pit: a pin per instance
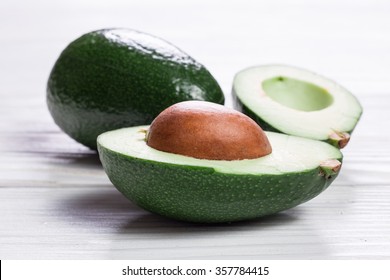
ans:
(297, 102)
(190, 165)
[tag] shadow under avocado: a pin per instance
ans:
(110, 207)
(84, 160)
(152, 223)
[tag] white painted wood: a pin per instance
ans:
(57, 203)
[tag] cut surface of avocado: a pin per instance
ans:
(199, 190)
(297, 102)
(297, 94)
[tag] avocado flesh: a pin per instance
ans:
(297, 94)
(113, 78)
(295, 101)
(209, 191)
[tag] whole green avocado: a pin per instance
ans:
(113, 78)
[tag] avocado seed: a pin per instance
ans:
(206, 130)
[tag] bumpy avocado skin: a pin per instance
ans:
(115, 78)
(202, 195)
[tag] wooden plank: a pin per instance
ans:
(344, 222)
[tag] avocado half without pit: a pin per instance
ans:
(202, 162)
(297, 102)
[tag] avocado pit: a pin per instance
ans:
(206, 130)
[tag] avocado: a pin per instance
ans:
(214, 191)
(297, 102)
(113, 78)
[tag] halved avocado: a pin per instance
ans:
(297, 102)
(200, 190)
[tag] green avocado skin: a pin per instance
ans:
(203, 195)
(115, 78)
(239, 106)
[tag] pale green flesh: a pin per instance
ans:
(316, 115)
(290, 153)
(297, 94)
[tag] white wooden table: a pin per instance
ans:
(56, 201)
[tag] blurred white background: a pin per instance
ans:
(345, 40)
